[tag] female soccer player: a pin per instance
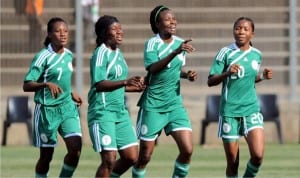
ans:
(161, 104)
(237, 66)
(110, 126)
(50, 76)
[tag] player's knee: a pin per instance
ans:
(257, 159)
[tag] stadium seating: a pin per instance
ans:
(18, 111)
(268, 105)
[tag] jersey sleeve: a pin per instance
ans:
(98, 68)
(36, 69)
(150, 53)
(218, 64)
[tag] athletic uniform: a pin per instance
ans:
(239, 107)
(109, 122)
(52, 115)
(161, 102)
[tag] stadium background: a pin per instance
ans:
(207, 22)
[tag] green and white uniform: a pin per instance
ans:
(53, 114)
(239, 107)
(109, 122)
(161, 104)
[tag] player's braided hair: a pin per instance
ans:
(247, 19)
(50, 27)
(101, 28)
(154, 17)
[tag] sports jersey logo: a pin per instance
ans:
(106, 140)
(44, 138)
(226, 128)
(254, 65)
(70, 66)
(144, 129)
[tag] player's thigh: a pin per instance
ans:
(70, 125)
(150, 124)
(178, 119)
(229, 128)
(125, 131)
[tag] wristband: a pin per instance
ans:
(261, 77)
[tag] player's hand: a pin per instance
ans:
(137, 81)
(267, 73)
(55, 89)
(234, 68)
(185, 46)
(77, 99)
(192, 75)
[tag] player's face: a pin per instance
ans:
(243, 33)
(115, 34)
(59, 35)
(167, 23)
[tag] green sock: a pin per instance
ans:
(37, 175)
(251, 170)
(66, 171)
(138, 173)
(114, 175)
(180, 169)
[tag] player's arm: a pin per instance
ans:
(216, 79)
(129, 84)
(190, 75)
(266, 74)
(32, 86)
(161, 64)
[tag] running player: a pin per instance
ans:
(161, 106)
(237, 66)
(50, 76)
(110, 126)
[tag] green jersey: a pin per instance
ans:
(49, 66)
(238, 90)
(106, 64)
(163, 92)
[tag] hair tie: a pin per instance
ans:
(160, 9)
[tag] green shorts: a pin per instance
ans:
(231, 128)
(50, 120)
(112, 130)
(150, 124)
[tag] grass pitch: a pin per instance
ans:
(208, 161)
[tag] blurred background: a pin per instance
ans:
(208, 22)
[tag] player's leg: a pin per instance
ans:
(71, 159)
(179, 127)
(145, 153)
(43, 163)
(229, 129)
(256, 140)
(70, 130)
(232, 158)
(126, 143)
(108, 160)
(184, 142)
(149, 126)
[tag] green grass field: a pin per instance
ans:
(209, 161)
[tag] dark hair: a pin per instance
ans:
(102, 26)
(244, 18)
(50, 27)
(247, 19)
(154, 16)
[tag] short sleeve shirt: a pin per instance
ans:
(163, 92)
(107, 64)
(238, 90)
(49, 66)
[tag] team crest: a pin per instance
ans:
(70, 66)
(254, 65)
(106, 140)
(144, 129)
(226, 128)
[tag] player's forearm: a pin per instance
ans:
(214, 80)
(31, 86)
